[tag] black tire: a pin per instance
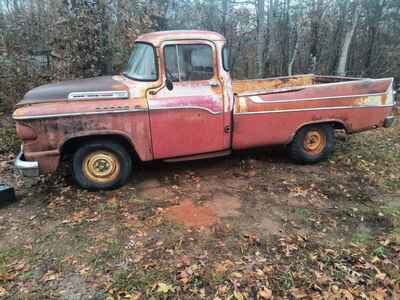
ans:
(299, 149)
(94, 151)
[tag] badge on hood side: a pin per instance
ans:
(99, 95)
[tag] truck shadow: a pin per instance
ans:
(276, 154)
(238, 160)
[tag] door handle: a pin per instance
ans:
(214, 83)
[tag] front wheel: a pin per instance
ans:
(101, 165)
(312, 143)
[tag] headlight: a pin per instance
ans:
(25, 132)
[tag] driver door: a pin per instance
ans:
(188, 119)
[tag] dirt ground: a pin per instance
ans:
(249, 226)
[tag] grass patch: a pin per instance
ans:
(380, 252)
(362, 238)
(303, 215)
(286, 280)
(8, 255)
(392, 211)
(113, 252)
(130, 279)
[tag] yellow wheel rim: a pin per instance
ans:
(101, 167)
(314, 141)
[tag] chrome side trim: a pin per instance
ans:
(98, 95)
(270, 91)
(102, 112)
(309, 109)
(187, 107)
(257, 99)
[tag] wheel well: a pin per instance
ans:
(338, 125)
(335, 124)
(71, 145)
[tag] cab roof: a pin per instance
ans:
(156, 38)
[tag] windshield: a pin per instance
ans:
(142, 63)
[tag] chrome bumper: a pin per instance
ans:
(389, 121)
(26, 168)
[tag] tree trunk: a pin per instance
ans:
(225, 15)
(291, 62)
(107, 55)
(375, 12)
(341, 69)
(260, 38)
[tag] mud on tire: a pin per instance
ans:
(312, 143)
(101, 165)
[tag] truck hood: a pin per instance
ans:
(91, 88)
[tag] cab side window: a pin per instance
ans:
(188, 62)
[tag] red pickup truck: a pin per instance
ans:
(175, 101)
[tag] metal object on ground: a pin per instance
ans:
(7, 194)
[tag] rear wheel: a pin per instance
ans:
(312, 143)
(101, 165)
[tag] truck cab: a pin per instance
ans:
(190, 109)
(175, 101)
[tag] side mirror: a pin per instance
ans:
(169, 84)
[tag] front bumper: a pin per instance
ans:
(24, 167)
(389, 121)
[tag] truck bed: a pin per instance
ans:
(267, 84)
(270, 111)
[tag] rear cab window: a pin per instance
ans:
(225, 59)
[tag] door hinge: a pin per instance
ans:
(227, 129)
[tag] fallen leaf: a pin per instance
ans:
(346, 295)
(49, 276)
(222, 267)
(134, 296)
(380, 276)
(84, 271)
(264, 293)
(3, 292)
(7, 277)
(21, 266)
(298, 293)
(237, 275)
(378, 294)
(183, 277)
(164, 288)
(238, 295)
(321, 278)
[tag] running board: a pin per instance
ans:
(199, 156)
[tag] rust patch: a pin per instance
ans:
(240, 86)
(192, 215)
(384, 99)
